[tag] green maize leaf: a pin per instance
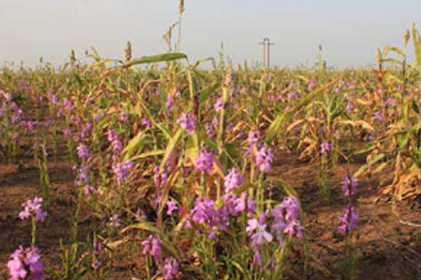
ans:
(135, 144)
(166, 245)
(172, 145)
(415, 107)
(403, 140)
(276, 126)
(204, 95)
(148, 154)
(363, 168)
(155, 59)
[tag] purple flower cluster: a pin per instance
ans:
(52, 98)
(205, 212)
(264, 159)
(349, 186)
(218, 104)
(33, 208)
(124, 116)
(325, 146)
(25, 263)
(187, 122)
(256, 229)
(233, 179)
(146, 122)
(122, 171)
(379, 117)
(83, 151)
(115, 221)
(284, 223)
(160, 178)
(171, 206)
(68, 104)
(82, 176)
(254, 137)
(286, 218)
(85, 130)
(170, 268)
(211, 127)
(116, 143)
(152, 246)
(204, 161)
(349, 220)
(96, 250)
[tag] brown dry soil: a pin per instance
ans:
(388, 247)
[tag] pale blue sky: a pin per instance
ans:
(350, 31)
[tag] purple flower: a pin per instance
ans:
(169, 102)
(325, 146)
(97, 247)
(67, 133)
(68, 104)
(117, 146)
(152, 246)
(89, 190)
(254, 137)
(187, 122)
(285, 219)
(233, 179)
(140, 215)
(292, 95)
(83, 151)
(379, 117)
(82, 177)
(257, 257)
(389, 101)
(146, 122)
(349, 220)
(204, 161)
(7, 95)
(235, 205)
(33, 208)
(123, 116)
(218, 104)
(294, 228)
(115, 220)
(97, 117)
(122, 171)
(245, 203)
(160, 178)
(264, 159)
(171, 268)
(288, 209)
(52, 97)
(210, 128)
(112, 135)
(96, 265)
(256, 229)
(203, 210)
(349, 186)
(26, 264)
(311, 85)
(172, 206)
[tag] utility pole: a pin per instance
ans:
(263, 43)
(266, 52)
